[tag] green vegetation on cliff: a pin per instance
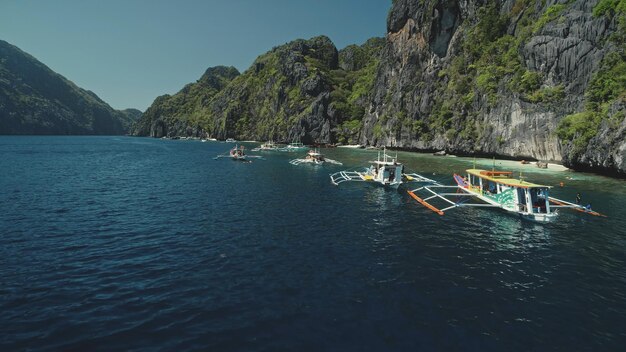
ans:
(305, 89)
(279, 91)
(184, 112)
(353, 82)
(609, 8)
(488, 65)
(607, 87)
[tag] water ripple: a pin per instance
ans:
(114, 243)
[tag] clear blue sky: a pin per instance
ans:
(131, 51)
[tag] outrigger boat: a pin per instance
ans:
(496, 189)
(267, 147)
(238, 154)
(295, 146)
(314, 157)
(387, 172)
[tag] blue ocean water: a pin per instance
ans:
(121, 243)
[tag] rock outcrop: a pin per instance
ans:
(36, 100)
(277, 97)
(184, 113)
(485, 78)
(606, 151)
(304, 90)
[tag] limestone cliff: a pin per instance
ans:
(183, 113)
(305, 90)
(496, 78)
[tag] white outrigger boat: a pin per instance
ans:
(314, 157)
(387, 172)
(238, 154)
(267, 147)
(497, 189)
(295, 146)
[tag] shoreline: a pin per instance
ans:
(551, 166)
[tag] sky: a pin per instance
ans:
(129, 52)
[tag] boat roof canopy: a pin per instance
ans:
(504, 177)
(496, 173)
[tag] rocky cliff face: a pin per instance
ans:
(185, 113)
(284, 95)
(605, 152)
(36, 100)
(304, 90)
(497, 78)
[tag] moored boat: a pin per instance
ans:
(314, 157)
(267, 147)
(387, 172)
(238, 153)
(295, 146)
(497, 189)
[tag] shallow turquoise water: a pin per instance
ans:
(128, 243)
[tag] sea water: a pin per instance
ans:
(111, 243)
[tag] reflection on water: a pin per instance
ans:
(511, 232)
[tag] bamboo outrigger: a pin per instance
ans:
(386, 172)
(497, 189)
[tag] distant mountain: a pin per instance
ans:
(130, 117)
(36, 100)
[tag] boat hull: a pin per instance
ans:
(541, 218)
(534, 217)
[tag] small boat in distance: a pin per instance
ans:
(497, 189)
(387, 172)
(230, 140)
(238, 154)
(314, 157)
(295, 146)
(267, 147)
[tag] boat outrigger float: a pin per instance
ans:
(496, 189)
(387, 172)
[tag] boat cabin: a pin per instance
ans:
(513, 194)
(386, 172)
